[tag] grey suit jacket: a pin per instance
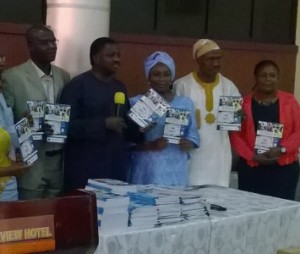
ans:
(22, 83)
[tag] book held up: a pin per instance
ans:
(37, 110)
(229, 113)
(176, 123)
(27, 149)
(268, 135)
(58, 117)
(148, 109)
(55, 115)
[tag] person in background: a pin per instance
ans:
(276, 171)
(38, 79)
(211, 163)
(96, 145)
(8, 168)
(156, 161)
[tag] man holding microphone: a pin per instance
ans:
(99, 127)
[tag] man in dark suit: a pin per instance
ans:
(38, 79)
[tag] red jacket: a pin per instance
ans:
(289, 115)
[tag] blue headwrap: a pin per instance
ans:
(159, 57)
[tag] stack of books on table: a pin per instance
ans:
(193, 205)
(168, 204)
(112, 208)
(143, 212)
(122, 206)
(169, 213)
(142, 215)
(112, 186)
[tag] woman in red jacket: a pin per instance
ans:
(274, 172)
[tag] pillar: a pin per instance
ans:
(76, 24)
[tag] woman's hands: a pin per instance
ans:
(148, 128)
(185, 145)
(269, 157)
(159, 144)
(15, 169)
(29, 117)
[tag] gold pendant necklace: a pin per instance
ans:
(210, 118)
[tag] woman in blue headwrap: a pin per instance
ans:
(156, 161)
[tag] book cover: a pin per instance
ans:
(37, 110)
(148, 109)
(112, 186)
(58, 117)
(112, 223)
(268, 135)
(229, 113)
(176, 123)
(27, 149)
(112, 200)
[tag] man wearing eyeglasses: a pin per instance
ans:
(38, 79)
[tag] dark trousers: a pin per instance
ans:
(272, 180)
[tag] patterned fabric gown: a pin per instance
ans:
(170, 165)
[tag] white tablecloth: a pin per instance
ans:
(252, 224)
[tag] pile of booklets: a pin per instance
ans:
(168, 205)
(112, 186)
(122, 207)
(112, 203)
(143, 211)
(193, 205)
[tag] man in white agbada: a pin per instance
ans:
(211, 163)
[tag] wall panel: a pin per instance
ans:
(20, 11)
(133, 16)
(179, 19)
(13, 43)
(239, 59)
(229, 20)
(264, 21)
(238, 62)
(272, 21)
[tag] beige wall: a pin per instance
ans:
(239, 59)
(297, 75)
(77, 23)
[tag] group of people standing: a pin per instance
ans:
(105, 143)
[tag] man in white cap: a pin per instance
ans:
(211, 163)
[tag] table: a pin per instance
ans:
(252, 224)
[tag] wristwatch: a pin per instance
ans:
(282, 149)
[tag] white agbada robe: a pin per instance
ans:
(211, 163)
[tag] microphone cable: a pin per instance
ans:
(207, 213)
